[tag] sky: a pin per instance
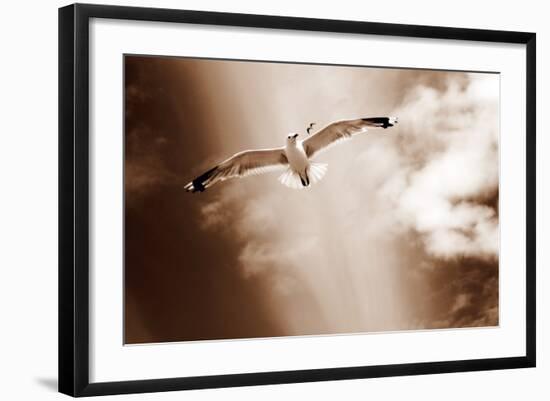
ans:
(401, 233)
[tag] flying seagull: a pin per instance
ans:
(295, 157)
(308, 129)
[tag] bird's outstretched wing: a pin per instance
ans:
(342, 130)
(240, 165)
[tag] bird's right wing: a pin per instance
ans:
(341, 130)
(240, 165)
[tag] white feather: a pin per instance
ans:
(317, 171)
(291, 179)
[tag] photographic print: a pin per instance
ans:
(268, 199)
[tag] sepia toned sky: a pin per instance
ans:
(401, 233)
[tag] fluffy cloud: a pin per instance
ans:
(456, 149)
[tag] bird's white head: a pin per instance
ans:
(291, 138)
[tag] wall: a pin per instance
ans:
(28, 217)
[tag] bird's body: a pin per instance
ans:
(295, 157)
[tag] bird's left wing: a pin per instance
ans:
(342, 130)
(240, 165)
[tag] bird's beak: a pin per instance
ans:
(295, 136)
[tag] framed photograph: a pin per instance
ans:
(250, 199)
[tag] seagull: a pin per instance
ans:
(295, 158)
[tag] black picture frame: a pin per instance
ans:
(74, 198)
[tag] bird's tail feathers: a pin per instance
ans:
(317, 171)
(292, 179)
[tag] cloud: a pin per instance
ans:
(257, 256)
(213, 214)
(450, 162)
(144, 162)
(465, 294)
(264, 251)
